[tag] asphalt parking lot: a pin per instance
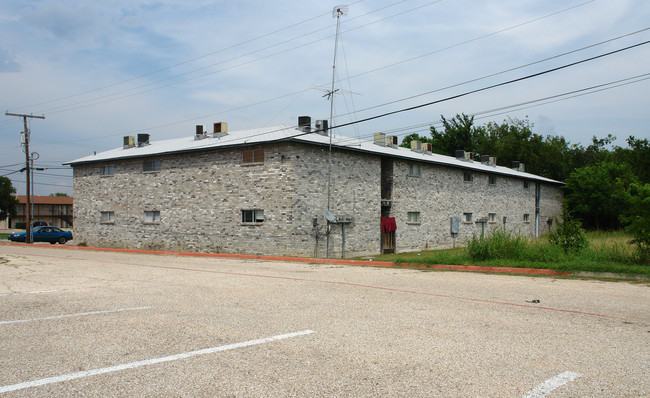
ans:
(86, 323)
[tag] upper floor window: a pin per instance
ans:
(253, 156)
(468, 177)
(151, 165)
(492, 180)
(107, 170)
(526, 184)
(152, 217)
(414, 169)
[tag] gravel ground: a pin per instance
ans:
(376, 331)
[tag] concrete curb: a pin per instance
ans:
(471, 268)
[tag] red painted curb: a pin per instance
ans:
(472, 268)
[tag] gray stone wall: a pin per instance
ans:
(440, 193)
(201, 195)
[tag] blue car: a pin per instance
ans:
(44, 234)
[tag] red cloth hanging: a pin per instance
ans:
(388, 224)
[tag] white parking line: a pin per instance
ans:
(73, 315)
(551, 384)
(132, 365)
(36, 292)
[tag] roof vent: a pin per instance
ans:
(129, 142)
(143, 140)
(200, 133)
(380, 139)
(391, 140)
(517, 165)
(427, 148)
(220, 129)
(322, 127)
(304, 124)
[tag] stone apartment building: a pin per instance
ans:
(266, 191)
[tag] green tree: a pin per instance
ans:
(59, 194)
(8, 202)
(637, 218)
(459, 133)
(596, 194)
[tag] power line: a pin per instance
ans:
(491, 86)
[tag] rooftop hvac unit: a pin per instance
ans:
(143, 139)
(322, 127)
(304, 123)
(517, 165)
(493, 160)
(469, 155)
(220, 129)
(391, 140)
(200, 134)
(460, 154)
(129, 141)
(416, 145)
(485, 159)
(427, 148)
(380, 139)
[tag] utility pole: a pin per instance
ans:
(28, 214)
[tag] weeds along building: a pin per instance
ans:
(265, 191)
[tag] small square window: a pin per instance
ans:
(413, 217)
(492, 217)
(252, 216)
(414, 169)
(526, 184)
(151, 165)
(468, 177)
(492, 180)
(107, 170)
(152, 217)
(526, 217)
(107, 217)
(467, 217)
(253, 156)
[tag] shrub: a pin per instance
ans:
(637, 219)
(500, 244)
(569, 234)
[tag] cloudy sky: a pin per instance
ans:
(99, 70)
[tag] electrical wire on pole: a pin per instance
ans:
(28, 214)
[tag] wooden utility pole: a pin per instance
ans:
(28, 213)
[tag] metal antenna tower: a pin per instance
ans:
(336, 13)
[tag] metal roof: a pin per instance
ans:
(283, 133)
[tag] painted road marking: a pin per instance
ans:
(73, 315)
(551, 384)
(137, 364)
(36, 292)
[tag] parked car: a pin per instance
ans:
(44, 234)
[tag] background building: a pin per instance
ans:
(54, 210)
(265, 191)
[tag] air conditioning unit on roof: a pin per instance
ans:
(392, 140)
(380, 139)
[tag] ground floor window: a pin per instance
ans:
(107, 217)
(526, 217)
(252, 216)
(152, 217)
(413, 217)
(467, 217)
(492, 217)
